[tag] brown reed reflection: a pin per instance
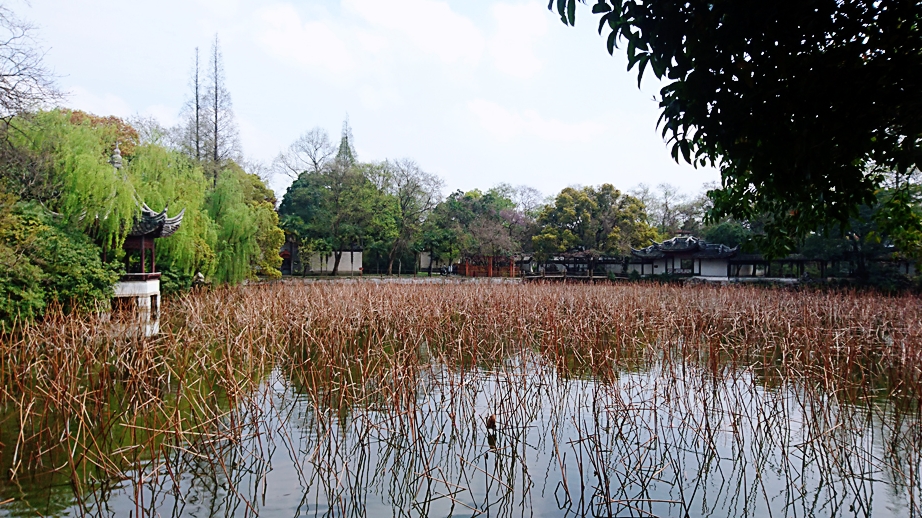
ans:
(340, 399)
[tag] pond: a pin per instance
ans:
(378, 415)
(669, 440)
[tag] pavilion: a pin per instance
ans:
(138, 290)
(683, 255)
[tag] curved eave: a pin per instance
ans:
(152, 224)
(171, 225)
(647, 254)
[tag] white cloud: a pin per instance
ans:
(431, 26)
(261, 144)
(312, 44)
(377, 97)
(165, 115)
(104, 105)
(518, 28)
(506, 125)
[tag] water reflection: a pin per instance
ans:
(669, 439)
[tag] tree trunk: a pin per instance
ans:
(198, 112)
(337, 255)
(215, 137)
(390, 259)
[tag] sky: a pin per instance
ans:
(478, 92)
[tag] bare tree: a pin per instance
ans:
(528, 200)
(258, 167)
(25, 83)
(490, 237)
(414, 193)
(194, 129)
(222, 141)
(310, 152)
(150, 131)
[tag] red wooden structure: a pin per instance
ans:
(488, 266)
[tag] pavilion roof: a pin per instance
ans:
(687, 246)
(152, 224)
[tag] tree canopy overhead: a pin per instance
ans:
(801, 105)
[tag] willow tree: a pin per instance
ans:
(169, 179)
(85, 189)
(236, 229)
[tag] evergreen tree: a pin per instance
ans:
(346, 154)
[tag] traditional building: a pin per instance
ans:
(489, 266)
(685, 255)
(137, 294)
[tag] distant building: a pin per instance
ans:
(319, 263)
(349, 264)
(683, 255)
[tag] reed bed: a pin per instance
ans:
(625, 400)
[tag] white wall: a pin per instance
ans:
(425, 258)
(145, 297)
(714, 267)
(137, 288)
(350, 263)
(658, 267)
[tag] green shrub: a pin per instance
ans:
(42, 261)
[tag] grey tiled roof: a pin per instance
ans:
(685, 246)
(155, 224)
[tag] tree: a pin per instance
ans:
(330, 210)
(731, 233)
(801, 106)
(71, 153)
(596, 221)
(528, 200)
(169, 178)
(312, 151)
(25, 83)
(221, 141)
(236, 247)
(346, 154)
(411, 194)
(334, 207)
(195, 128)
(475, 224)
(663, 207)
(43, 260)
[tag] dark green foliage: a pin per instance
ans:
(330, 210)
(731, 233)
(802, 105)
(43, 261)
(599, 221)
(862, 242)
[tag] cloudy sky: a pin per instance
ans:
(476, 91)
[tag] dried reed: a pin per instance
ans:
(625, 387)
